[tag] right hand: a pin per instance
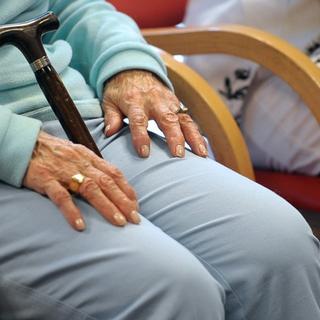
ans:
(55, 161)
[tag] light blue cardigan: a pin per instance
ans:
(93, 43)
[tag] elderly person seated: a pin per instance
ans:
(206, 244)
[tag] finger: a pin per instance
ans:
(90, 191)
(169, 124)
(91, 159)
(108, 186)
(116, 174)
(138, 122)
(113, 118)
(192, 135)
(63, 200)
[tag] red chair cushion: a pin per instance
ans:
(153, 14)
(303, 192)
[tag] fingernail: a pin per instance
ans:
(80, 224)
(144, 151)
(179, 151)
(107, 129)
(203, 150)
(120, 219)
(135, 217)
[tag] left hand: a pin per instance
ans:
(140, 96)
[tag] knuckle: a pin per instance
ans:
(113, 188)
(194, 141)
(173, 139)
(60, 197)
(126, 203)
(116, 173)
(105, 181)
(139, 138)
(139, 120)
(169, 118)
(139, 131)
(185, 119)
(89, 187)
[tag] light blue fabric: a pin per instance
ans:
(93, 43)
(212, 245)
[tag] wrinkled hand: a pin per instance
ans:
(55, 161)
(140, 96)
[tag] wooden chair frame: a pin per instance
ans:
(271, 52)
(213, 117)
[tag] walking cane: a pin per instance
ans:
(27, 38)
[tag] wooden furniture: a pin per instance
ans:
(213, 117)
(269, 51)
(282, 59)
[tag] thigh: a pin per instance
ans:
(228, 222)
(49, 271)
(244, 234)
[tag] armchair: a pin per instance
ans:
(269, 51)
(276, 55)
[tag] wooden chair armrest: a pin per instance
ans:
(213, 117)
(270, 51)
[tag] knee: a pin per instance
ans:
(284, 239)
(181, 282)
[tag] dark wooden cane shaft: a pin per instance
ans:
(27, 37)
(64, 108)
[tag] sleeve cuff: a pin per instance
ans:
(16, 148)
(128, 60)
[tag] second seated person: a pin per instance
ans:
(279, 129)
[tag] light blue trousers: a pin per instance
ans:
(212, 245)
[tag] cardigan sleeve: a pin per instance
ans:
(18, 136)
(104, 41)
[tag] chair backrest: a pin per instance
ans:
(153, 14)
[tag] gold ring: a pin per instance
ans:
(182, 108)
(76, 181)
